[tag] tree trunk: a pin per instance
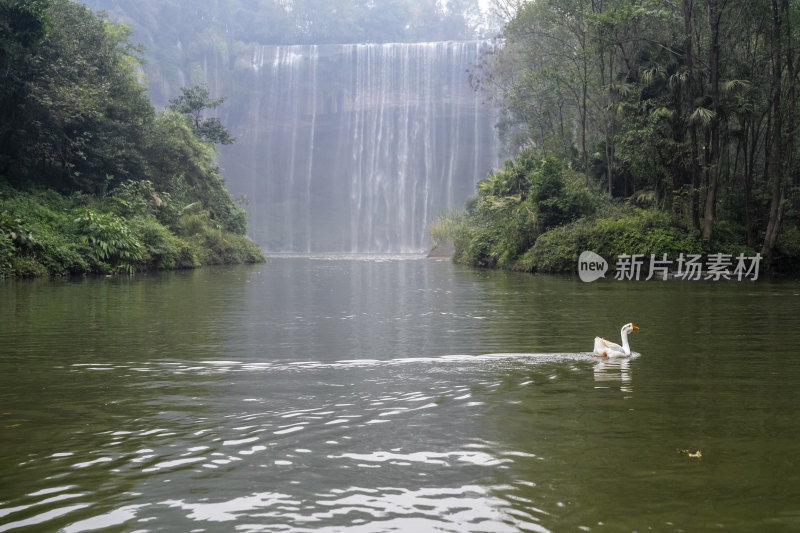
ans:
(584, 99)
(781, 143)
(714, 15)
(610, 163)
(693, 166)
(748, 183)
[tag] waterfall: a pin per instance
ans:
(357, 147)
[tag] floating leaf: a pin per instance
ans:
(697, 455)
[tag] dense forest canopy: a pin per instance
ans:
(92, 178)
(689, 107)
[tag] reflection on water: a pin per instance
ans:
(612, 370)
(332, 394)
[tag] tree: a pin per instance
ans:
(73, 108)
(192, 103)
(544, 76)
(784, 102)
(715, 11)
(696, 96)
(23, 26)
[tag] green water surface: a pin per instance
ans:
(396, 394)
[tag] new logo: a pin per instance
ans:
(591, 266)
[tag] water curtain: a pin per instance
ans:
(357, 147)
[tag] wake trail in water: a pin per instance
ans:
(219, 366)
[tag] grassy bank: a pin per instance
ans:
(43, 233)
(537, 215)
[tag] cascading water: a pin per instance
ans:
(356, 148)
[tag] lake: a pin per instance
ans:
(395, 393)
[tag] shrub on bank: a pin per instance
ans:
(514, 206)
(212, 245)
(59, 235)
(536, 215)
(637, 231)
(162, 250)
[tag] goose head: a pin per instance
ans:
(627, 328)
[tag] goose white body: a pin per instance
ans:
(604, 348)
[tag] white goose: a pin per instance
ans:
(604, 348)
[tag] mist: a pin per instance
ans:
(355, 129)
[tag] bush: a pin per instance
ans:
(214, 246)
(17, 231)
(643, 232)
(557, 250)
(111, 243)
(729, 239)
(789, 242)
(446, 226)
(23, 266)
(61, 259)
(638, 231)
(46, 236)
(476, 247)
(45, 233)
(514, 206)
(162, 249)
(6, 253)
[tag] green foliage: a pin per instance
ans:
(479, 246)
(212, 245)
(111, 243)
(80, 113)
(137, 198)
(642, 232)
(192, 103)
(551, 218)
(446, 226)
(514, 206)
(48, 243)
(23, 23)
(162, 250)
(789, 242)
(35, 248)
(557, 196)
(76, 121)
(187, 171)
(557, 250)
(728, 239)
(25, 266)
(81, 234)
(16, 231)
(625, 231)
(23, 26)
(6, 253)
(693, 102)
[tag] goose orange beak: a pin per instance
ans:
(634, 327)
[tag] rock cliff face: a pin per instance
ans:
(354, 148)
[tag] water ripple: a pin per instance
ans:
(468, 508)
(297, 429)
